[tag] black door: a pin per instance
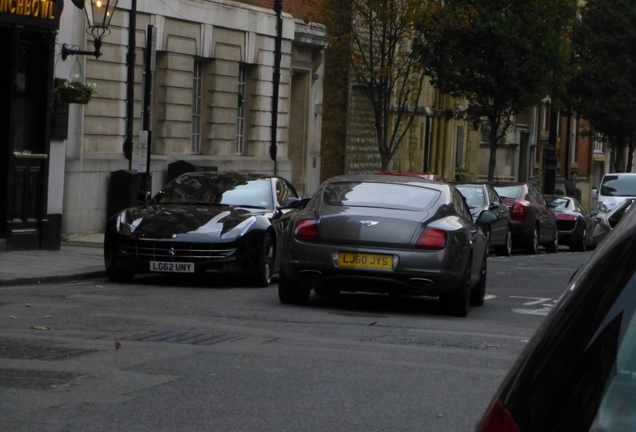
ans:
(24, 135)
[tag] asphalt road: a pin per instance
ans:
(178, 354)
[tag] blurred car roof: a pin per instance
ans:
(427, 176)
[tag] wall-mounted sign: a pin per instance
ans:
(32, 13)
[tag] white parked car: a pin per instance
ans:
(614, 189)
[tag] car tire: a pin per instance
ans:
(533, 247)
(291, 293)
(265, 264)
(119, 276)
(113, 272)
(457, 304)
(322, 291)
(553, 246)
(583, 244)
(478, 294)
(506, 248)
(488, 233)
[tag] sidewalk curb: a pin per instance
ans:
(52, 279)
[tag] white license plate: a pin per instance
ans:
(171, 267)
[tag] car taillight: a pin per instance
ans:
(432, 239)
(518, 210)
(566, 217)
(497, 419)
(306, 230)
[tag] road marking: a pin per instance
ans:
(546, 305)
(535, 300)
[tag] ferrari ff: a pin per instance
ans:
(386, 234)
(204, 222)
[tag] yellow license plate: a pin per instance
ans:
(364, 260)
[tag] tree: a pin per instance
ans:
(499, 55)
(377, 40)
(604, 89)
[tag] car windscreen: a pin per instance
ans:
(619, 186)
(475, 196)
(379, 195)
(217, 190)
(509, 192)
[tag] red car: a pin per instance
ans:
(534, 223)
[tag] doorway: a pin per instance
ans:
(24, 132)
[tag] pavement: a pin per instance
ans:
(78, 258)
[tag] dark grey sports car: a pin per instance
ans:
(386, 234)
(204, 222)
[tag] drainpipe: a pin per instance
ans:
(273, 148)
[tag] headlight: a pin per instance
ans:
(602, 206)
(240, 229)
(125, 227)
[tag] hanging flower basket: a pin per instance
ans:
(74, 92)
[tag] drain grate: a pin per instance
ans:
(34, 379)
(187, 338)
(21, 350)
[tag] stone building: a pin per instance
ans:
(203, 99)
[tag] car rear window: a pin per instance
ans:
(509, 192)
(380, 195)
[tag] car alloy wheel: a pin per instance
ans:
(506, 248)
(265, 264)
(554, 246)
(478, 295)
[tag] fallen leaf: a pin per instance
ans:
(47, 316)
(40, 328)
(13, 317)
(98, 286)
(117, 345)
(27, 305)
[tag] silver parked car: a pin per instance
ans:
(386, 234)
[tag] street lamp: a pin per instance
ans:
(98, 13)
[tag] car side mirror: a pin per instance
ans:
(295, 203)
(595, 193)
(493, 205)
(487, 217)
(594, 212)
(144, 197)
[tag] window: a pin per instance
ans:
(196, 106)
(240, 115)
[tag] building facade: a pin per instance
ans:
(203, 97)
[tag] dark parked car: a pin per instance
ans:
(386, 234)
(576, 224)
(204, 222)
(480, 197)
(533, 221)
(578, 373)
